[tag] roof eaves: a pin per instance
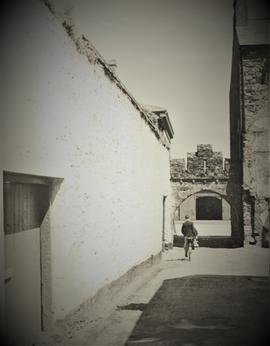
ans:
(84, 47)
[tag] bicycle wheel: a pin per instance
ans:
(189, 252)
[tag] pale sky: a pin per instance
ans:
(170, 53)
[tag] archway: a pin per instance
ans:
(210, 210)
(211, 205)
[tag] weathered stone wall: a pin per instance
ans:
(204, 174)
(236, 146)
(177, 168)
(195, 164)
(182, 190)
(227, 163)
(255, 64)
(249, 117)
(205, 161)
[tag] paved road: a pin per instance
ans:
(115, 328)
(206, 310)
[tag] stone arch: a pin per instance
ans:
(202, 191)
(207, 191)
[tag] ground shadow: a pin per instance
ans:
(206, 309)
(177, 259)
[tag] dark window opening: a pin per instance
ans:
(26, 202)
(208, 208)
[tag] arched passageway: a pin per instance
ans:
(210, 211)
(204, 205)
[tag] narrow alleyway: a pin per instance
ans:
(117, 327)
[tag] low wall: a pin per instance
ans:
(208, 241)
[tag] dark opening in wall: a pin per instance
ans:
(25, 205)
(27, 202)
(208, 208)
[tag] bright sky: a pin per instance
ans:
(170, 53)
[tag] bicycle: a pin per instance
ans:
(190, 245)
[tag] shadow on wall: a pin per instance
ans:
(27, 200)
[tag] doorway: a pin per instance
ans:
(26, 202)
(208, 208)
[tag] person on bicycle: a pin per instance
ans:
(189, 232)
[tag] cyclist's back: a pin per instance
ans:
(189, 232)
(188, 229)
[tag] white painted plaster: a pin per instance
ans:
(22, 264)
(64, 118)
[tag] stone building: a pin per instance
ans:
(200, 188)
(249, 120)
(85, 182)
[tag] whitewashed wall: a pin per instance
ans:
(188, 207)
(64, 118)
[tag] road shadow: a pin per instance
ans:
(132, 306)
(206, 310)
(177, 259)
